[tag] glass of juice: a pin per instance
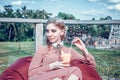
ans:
(66, 59)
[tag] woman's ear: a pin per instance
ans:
(62, 32)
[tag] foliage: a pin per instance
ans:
(15, 32)
(24, 31)
(19, 31)
(66, 16)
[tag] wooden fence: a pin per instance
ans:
(39, 25)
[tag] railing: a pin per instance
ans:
(66, 21)
(39, 25)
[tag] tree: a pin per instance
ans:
(18, 13)
(8, 11)
(12, 32)
(93, 18)
(30, 14)
(10, 27)
(94, 30)
(45, 15)
(66, 16)
(104, 30)
(108, 18)
(3, 36)
(102, 18)
(24, 8)
(23, 31)
(42, 14)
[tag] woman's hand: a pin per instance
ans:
(79, 43)
(55, 65)
(88, 57)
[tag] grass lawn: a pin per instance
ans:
(11, 51)
(108, 61)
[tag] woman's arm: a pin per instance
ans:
(81, 46)
(36, 63)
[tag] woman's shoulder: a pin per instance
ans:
(41, 48)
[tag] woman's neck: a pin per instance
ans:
(58, 44)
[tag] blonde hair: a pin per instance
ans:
(58, 22)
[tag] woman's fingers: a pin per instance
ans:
(76, 39)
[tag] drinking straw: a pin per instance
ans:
(70, 47)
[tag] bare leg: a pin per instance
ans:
(73, 77)
(76, 75)
(57, 79)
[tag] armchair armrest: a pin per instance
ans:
(18, 70)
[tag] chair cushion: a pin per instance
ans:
(88, 72)
(18, 70)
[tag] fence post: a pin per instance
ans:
(38, 35)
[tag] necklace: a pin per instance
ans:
(58, 46)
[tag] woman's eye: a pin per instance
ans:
(53, 30)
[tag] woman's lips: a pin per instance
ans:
(50, 39)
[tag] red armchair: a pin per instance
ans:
(19, 70)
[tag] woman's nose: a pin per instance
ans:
(49, 34)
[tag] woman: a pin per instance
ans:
(47, 62)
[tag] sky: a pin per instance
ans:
(81, 9)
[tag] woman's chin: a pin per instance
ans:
(51, 41)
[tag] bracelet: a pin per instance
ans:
(85, 52)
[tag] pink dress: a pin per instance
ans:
(39, 67)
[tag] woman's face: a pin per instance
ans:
(53, 33)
